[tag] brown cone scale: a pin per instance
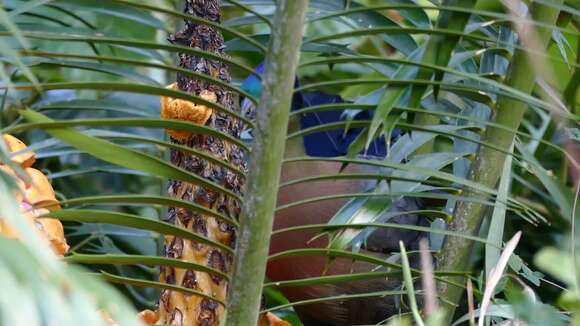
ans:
(174, 307)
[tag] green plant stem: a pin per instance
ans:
(572, 88)
(487, 166)
(408, 281)
(438, 51)
(265, 165)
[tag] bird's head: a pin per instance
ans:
(328, 143)
(252, 83)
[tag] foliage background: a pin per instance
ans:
(103, 61)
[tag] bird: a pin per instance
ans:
(381, 243)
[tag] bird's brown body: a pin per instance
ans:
(381, 244)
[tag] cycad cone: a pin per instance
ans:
(178, 109)
(189, 306)
(35, 197)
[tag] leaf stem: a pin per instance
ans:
(265, 164)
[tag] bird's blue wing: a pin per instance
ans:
(334, 142)
(329, 143)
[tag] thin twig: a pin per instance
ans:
(470, 305)
(430, 292)
(496, 275)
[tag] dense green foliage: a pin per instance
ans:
(81, 81)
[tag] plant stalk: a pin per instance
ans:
(175, 307)
(265, 163)
(487, 166)
(438, 51)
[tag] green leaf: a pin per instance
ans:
(27, 6)
(570, 301)
(408, 143)
(134, 221)
(114, 70)
(368, 210)
(331, 279)
(497, 221)
(111, 105)
(140, 89)
(158, 285)
(141, 260)
(122, 156)
(128, 122)
(110, 8)
(340, 298)
(557, 264)
(408, 282)
(390, 98)
(274, 297)
(496, 310)
(138, 63)
(50, 33)
(559, 192)
(53, 292)
(367, 19)
(152, 200)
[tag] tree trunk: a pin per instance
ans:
(488, 164)
(176, 307)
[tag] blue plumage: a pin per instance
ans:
(329, 143)
(252, 83)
